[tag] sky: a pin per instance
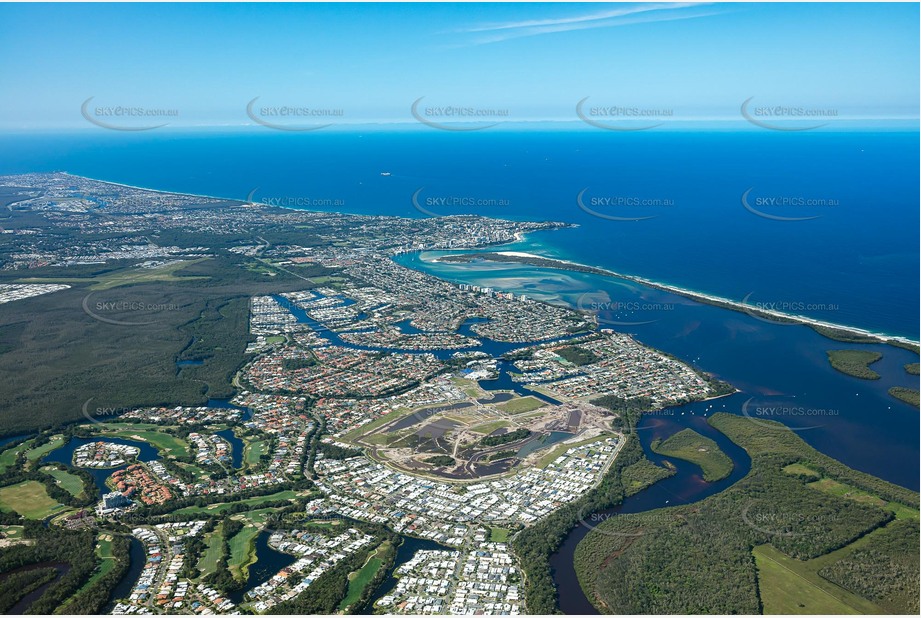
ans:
(202, 64)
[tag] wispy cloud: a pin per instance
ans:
(610, 17)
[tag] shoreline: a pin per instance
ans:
(710, 299)
(567, 264)
(127, 186)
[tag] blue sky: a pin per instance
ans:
(530, 61)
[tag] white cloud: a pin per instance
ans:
(620, 16)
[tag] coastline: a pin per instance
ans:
(779, 316)
(160, 191)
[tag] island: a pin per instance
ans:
(855, 362)
(689, 445)
(827, 329)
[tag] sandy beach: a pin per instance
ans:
(716, 300)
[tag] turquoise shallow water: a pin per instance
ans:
(781, 369)
(853, 261)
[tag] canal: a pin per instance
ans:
(684, 487)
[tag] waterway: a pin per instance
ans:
(64, 454)
(8, 439)
(494, 348)
(684, 487)
(405, 553)
(236, 447)
(268, 562)
(23, 604)
(137, 560)
(781, 368)
(225, 404)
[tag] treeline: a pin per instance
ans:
(908, 395)
(505, 438)
(855, 362)
(333, 451)
(886, 571)
(628, 411)
(222, 579)
(640, 475)
(387, 556)
(293, 364)
(145, 511)
(773, 438)
(14, 586)
(440, 460)
(577, 356)
(94, 598)
(638, 563)
(194, 547)
(73, 552)
(326, 593)
(17, 474)
(535, 544)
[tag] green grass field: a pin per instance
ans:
(801, 470)
(106, 564)
(125, 276)
(29, 499)
(38, 452)
(498, 535)
(69, 482)
(520, 405)
(104, 551)
(8, 457)
(836, 488)
(689, 445)
(788, 588)
(164, 442)
(242, 552)
(220, 507)
(207, 563)
(253, 451)
(258, 516)
(200, 475)
(12, 532)
(359, 580)
(488, 428)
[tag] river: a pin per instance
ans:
(684, 487)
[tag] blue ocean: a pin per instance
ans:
(823, 224)
(851, 259)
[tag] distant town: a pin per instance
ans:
(375, 403)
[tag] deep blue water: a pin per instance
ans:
(859, 258)
(8, 439)
(137, 558)
(854, 263)
(405, 552)
(236, 447)
(65, 454)
(782, 370)
(268, 562)
(684, 487)
(225, 404)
